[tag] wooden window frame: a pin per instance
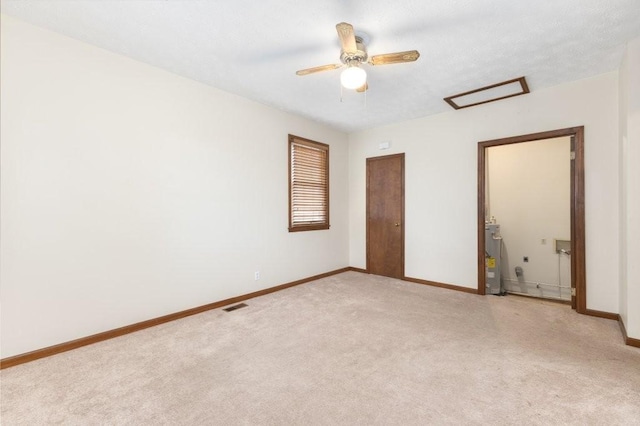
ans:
(296, 226)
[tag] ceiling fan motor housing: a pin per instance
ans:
(357, 57)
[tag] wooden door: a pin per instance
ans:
(385, 215)
(574, 300)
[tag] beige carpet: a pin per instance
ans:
(348, 349)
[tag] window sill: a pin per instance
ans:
(307, 228)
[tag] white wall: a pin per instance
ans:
(630, 189)
(441, 180)
(129, 193)
(529, 195)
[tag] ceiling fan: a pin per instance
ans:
(353, 54)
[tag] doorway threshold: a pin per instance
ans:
(531, 296)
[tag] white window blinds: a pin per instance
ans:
(308, 184)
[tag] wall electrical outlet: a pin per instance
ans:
(256, 275)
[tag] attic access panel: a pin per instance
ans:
(494, 92)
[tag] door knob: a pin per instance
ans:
(397, 224)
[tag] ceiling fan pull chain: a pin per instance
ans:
(365, 99)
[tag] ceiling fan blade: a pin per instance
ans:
(307, 71)
(347, 37)
(395, 58)
(363, 88)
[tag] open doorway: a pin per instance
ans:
(527, 201)
(574, 250)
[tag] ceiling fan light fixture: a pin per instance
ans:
(353, 77)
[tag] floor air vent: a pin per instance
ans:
(234, 307)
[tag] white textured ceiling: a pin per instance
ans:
(253, 47)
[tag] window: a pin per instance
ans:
(308, 185)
